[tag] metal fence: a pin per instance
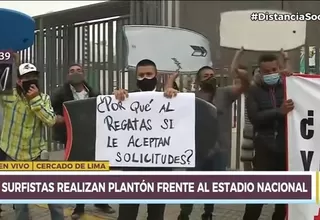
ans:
(99, 44)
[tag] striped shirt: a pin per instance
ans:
(22, 136)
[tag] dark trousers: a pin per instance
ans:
(265, 160)
(186, 210)
(215, 163)
(130, 211)
(80, 206)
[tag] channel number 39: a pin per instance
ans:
(5, 56)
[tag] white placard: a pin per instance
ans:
(170, 48)
(265, 34)
(303, 135)
(146, 130)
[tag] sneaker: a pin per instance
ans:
(77, 213)
(105, 208)
(206, 216)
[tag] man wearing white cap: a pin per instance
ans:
(27, 112)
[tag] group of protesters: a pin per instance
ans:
(27, 111)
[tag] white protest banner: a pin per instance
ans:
(170, 48)
(251, 29)
(303, 135)
(146, 130)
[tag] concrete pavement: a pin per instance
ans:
(222, 212)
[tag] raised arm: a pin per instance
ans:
(171, 80)
(41, 106)
(284, 61)
(235, 61)
(241, 73)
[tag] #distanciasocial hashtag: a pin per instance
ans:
(266, 16)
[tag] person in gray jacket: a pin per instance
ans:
(247, 147)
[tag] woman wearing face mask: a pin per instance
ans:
(76, 88)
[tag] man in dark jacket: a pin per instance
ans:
(267, 110)
(222, 98)
(146, 81)
(75, 88)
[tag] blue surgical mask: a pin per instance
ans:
(271, 79)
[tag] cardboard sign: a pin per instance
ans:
(81, 123)
(146, 130)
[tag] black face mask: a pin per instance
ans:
(209, 85)
(76, 79)
(26, 85)
(147, 84)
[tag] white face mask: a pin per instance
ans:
(271, 79)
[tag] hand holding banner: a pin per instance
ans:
(146, 130)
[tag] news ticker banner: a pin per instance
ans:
(55, 166)
(159, 187)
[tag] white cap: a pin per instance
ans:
(27, 68)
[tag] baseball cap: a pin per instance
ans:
(27, 68)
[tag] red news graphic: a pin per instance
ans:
(317, 217)
(163, 186)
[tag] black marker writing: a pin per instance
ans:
(167, 124)
(132, 124)
(137, 107)
(306, 157)
(151, 142)
(106, 104)
(166, 108)
(112, 142)
(155, 158)
(304, 123)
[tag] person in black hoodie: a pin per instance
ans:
(267, 110)
(75, 88)
(146, 71)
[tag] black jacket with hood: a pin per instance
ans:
(263, 108)
(61, 95)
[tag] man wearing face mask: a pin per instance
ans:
(146, 72)
(267, 110)
(26, 114)
(222, 98)
(75, 88)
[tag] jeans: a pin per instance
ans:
(22, 212)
